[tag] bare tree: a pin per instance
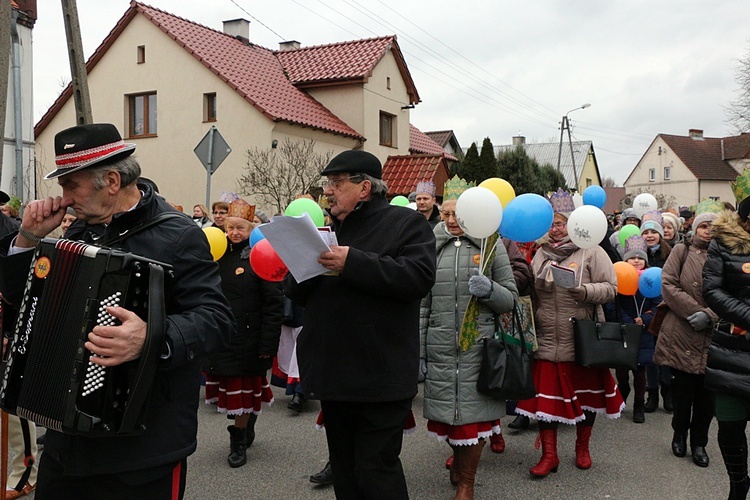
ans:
(738, 111)
(277, 176)
(663, 201)
(609, 182)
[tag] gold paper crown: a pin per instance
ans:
(711, 206)
(562, 201)
(454, 187)
(242, 209)
(741, 187)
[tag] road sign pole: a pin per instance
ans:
(209, 166)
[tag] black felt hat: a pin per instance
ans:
(85, 146)
(355, 161)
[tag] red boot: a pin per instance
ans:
(449, 462)
(549, 460)
(497, 443)
(583, 458)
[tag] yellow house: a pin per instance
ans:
(164, 81)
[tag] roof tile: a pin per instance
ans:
(421, 143)
(704, 156)
(403, 173)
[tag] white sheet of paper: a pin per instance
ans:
(564, 277)
(298, 243)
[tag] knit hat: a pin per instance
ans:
(242, 209)
(653, 225)
(629, 213)
(635, 246)
(454, 188)
(707, 211)
(71, 211)
(426, 187)
(562, 202)
(262, 216)
(672, 219)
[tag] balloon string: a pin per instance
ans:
(638, 309)
(482, 248)
(583, 263)
(485, 262)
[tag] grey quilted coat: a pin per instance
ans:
(450, 392)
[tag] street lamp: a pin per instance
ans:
(566, 126)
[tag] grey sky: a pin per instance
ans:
(496, 68)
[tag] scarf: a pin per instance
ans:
(554, 252)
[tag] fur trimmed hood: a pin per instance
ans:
(729, 233)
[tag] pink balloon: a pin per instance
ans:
(266, 262)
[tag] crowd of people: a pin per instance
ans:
(407, 298)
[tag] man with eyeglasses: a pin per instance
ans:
(220, 209)
(358, 351)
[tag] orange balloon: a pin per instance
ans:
(627, 278)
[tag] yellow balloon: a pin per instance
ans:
(217, 240)
(502, 189)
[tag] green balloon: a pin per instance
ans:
(400, 201)
(628, 231)
(305, 205)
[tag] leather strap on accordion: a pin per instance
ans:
(151, 353)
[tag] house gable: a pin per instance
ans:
(403, 173)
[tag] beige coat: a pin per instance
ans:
(556, 306)
(679, 345)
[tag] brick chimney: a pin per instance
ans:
(238, 28)
(290, 45)
(696, 134)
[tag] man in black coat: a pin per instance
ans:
(99, 180)
(359, 349)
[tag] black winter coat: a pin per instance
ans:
(257, 308)
(360, 340)
(199, 321)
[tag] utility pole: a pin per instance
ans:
(77, 64)
(5, 17)
(565, 125)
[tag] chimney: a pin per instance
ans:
(290, 45)
(519, 141)
(696, 134)
(238, 28)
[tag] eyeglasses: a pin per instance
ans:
(448, 215)
(220, 212)
(559, 225)
(335, 183)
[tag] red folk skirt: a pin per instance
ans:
(564, 390)
(463, 435)
(238, 395)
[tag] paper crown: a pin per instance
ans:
(654, 215)
(710, 206)
(14, 202)
(228, 197)
(426, 187)
(454, 187)
(636, 244)
(562, 201)
(741, 187)
(242, 209)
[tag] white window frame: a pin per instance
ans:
(651, 175)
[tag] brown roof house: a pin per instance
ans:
(164, 81)
(691, 168)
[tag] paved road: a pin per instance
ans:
(631, 461)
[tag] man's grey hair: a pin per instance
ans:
(128, 168)
(379, 187)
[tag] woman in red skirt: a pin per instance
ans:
(236, 377)
(568, 393)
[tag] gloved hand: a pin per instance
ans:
(699, 321)
(578, 293)
(422, 369)
(480, 285)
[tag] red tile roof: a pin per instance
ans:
(737, 147)
(440, 136)
(420, 143)
(703, 156)
(252, 71)
(343, 62)
(402, 173)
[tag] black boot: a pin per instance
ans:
(666, 394)
(733, 446)
(520, 422)
(679, 444)
(639, 415)
(237, 447)
(297, 403)
(652, 403)
(250, 431)
(324, 477)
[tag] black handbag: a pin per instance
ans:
(505, 372)
(728, 363)
(606, 344)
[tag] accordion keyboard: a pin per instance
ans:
(95, 374)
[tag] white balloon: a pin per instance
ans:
(577, 200)
(644, 202)
(412, 205)
(587, 226)
(479, 212)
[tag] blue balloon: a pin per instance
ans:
(526, 218)
(595, 195)
(649, 284)
(256, 236)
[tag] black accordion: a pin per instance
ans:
(49, 377)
